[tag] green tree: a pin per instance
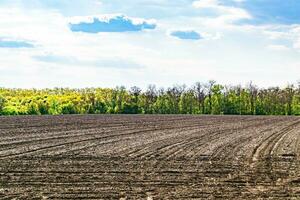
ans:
(2, 103)
(188, 103)
(216, 99)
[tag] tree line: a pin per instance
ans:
(200, 98)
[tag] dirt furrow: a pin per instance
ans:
(149, 156)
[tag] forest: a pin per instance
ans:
(200, 98)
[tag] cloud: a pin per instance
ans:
(277, 47)
(118, 23)
(287, 33)
(118, 63)
(186, 35)
(206, 3)
(4, 43)
(225, 13)
(55, 59)
(65, 7)
(106, 60)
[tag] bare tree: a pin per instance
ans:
(199, 91)
(238, 90)
(209, 86)
(161, 91)
(253, 91)
(150, 97)
(175, 93)
(288, 96)
(135, 91)
(151, 93)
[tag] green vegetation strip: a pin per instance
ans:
(201, 98)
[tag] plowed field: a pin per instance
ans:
(149, 157)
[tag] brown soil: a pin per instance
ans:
(149, 157)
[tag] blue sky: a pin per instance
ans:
(15, 44)
(186, 35)
(105, 43)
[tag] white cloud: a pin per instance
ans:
(225, 14)
(296, 40)
(290, 33)
(277, 47)
(206, 4)
(229, 53)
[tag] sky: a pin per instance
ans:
(108, 43)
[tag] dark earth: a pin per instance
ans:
(149, 157)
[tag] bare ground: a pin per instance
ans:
(149, 157)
